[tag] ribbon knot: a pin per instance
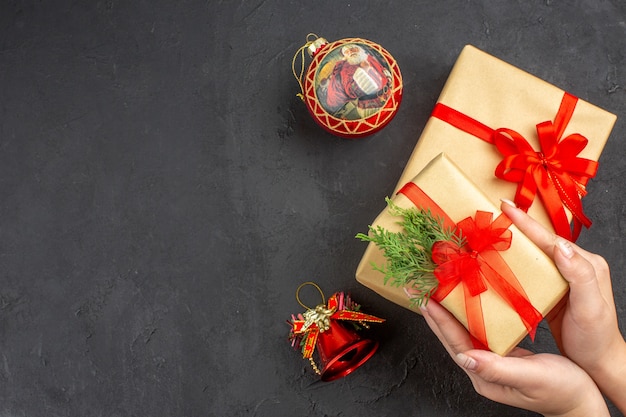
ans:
(555, 172)
(457, 264)
(543, 159)
(476, 265)
(464, 264)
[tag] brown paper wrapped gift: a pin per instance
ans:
(459, 198)
(500, 95)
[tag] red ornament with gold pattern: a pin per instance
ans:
(352, 87)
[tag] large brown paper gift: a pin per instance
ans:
(459, 198)
(499, 95)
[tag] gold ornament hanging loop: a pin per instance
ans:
(310, 39)
(309, 283)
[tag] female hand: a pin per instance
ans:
(548, 384)
(584, 324)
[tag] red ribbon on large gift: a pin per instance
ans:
(555, 172)
(476, 264)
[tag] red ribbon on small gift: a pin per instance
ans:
(475, 265)
(555, 172)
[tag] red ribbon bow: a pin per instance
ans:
(555, 172)
(475, 265)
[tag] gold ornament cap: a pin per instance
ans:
(315, 46)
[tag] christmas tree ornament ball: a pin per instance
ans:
(352, 87)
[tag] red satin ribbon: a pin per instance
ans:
(476, 265)
(555, 172)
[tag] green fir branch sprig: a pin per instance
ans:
(409, 252)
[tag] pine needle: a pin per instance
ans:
(409, 252)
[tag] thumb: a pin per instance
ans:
(495, 369)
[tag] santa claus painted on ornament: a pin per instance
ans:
(355, 86)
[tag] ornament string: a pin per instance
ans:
(313, 284)
(310, 38)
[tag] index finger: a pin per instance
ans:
(535, 231)
(542, 237)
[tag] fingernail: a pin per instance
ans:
(508, 202)
(565, 248)
(466, 362)
(423, 308)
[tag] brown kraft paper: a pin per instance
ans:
(444, 182)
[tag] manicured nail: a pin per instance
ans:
(508, 202)
(466, 362)
(565, 247)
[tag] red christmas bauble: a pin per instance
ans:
(352, 87)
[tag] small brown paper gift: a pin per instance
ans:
(496, 95)
(443, 182)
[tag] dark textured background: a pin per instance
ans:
(163, 192)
